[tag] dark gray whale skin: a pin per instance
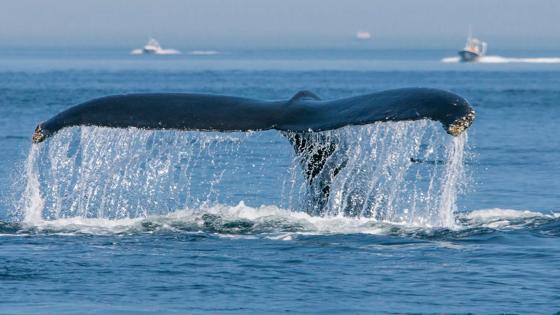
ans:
(304, 112)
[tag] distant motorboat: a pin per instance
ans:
(362, 35)
(154, 48)
(474, 49)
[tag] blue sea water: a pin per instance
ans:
(102, 221)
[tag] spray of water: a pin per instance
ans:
(401, 172)
(32, 201)
(405, 172)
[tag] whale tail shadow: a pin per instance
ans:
(316, 155)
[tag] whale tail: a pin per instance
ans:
(302, 119)
(316, 151)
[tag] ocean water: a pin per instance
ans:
(105, 221)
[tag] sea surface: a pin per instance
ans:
(113, 221)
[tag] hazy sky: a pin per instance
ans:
(205, 24)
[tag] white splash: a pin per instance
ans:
(92, 173)
(500, 59)
(159, 52)
(396, 171)
(204, 52)
(269, 221)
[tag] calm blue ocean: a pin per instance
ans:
(103, 221)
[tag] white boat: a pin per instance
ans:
(363, 35)
(474, 49)
(154, 48)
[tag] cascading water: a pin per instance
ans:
(405, 172)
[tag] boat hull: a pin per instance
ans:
(468, 56)
(149, 51)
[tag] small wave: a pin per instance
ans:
(283, 224)
(506, 218)
(450, 60)
(168, 52)
(500, 59)
(11, 137)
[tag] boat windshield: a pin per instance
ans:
(475, 45)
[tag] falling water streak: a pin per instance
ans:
(33, 202)
(454, 178)
(294, 191)
(94, 172)
(380, 181)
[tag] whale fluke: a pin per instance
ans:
(297, 118)
(302, 113)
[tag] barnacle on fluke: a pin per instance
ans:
(38, 135)
(461, 124)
